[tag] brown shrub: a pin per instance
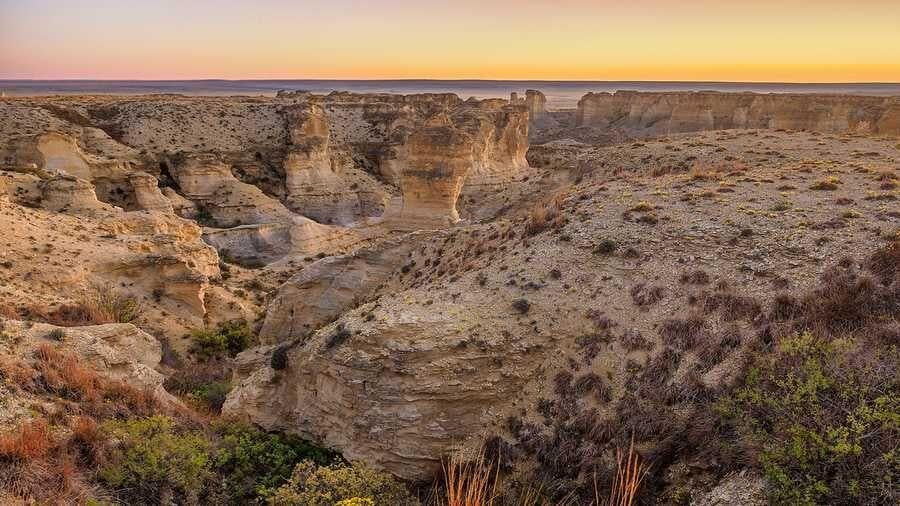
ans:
(62, 374)
(696, 277)
(87, 440)
(30, 441)
(591, 382)
(683, 334)
(103, 305)
(17, 372)
(633, 340)
(644, 295)
(884, 264)
(732, 307)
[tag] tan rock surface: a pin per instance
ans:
(676, 112)
(444, 351)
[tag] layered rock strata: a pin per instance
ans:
(667, 113)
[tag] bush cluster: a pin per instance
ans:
(229, 338)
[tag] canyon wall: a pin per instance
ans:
(676, 112)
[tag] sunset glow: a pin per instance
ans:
(789, 40)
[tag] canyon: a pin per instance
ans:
(425, 273)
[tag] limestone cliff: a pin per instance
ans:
(667, 113)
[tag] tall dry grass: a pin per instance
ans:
(545, 215)
(469, 482)
(630, 472)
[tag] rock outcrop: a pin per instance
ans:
(117, 350)
(386, 135)
(395, 389)
(437, 161)
(667, 113)
(166, 257)
(266, 243)
(536, 104)
(225, 200)
(319, 182)
(60, 193)
(324, 290)
(147, 194)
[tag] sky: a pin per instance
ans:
(686, 40)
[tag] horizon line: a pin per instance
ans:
(432, 79)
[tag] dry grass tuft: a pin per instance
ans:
(544, 216)
(469, 483)
(630, 472)
(8, 311)
(63, 374)
(99, 307)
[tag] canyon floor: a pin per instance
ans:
(320, 276)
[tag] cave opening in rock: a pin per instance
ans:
(165, 176)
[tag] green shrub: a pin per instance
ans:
(822, 418)
(229, 338)
(212, 394)
(152, 461)
(311, 485)
(253, 463)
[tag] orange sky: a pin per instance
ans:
(755, 40)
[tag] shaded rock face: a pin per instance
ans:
(324, 290)
(398, 391)
(666, 113)
(228, 202)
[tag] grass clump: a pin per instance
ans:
(605, 247)
(829, 184)
(544, 216)
(229, 338)
(101, 306)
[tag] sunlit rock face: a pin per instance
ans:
(666, 113)
(351, 154)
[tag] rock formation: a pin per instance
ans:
(319, 182)
(60, 193)
(438, 159)
(324, 290)
(167, 257)
(117, 350)
(398, 390)
(666, 113)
